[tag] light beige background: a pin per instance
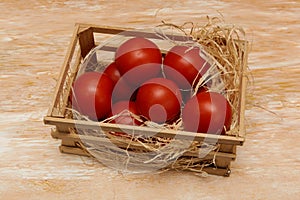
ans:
(34, 36)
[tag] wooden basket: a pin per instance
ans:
(82, 42)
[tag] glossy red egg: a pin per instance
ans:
(92, 92)
(140, 59)
(122, 91)
(124, 110)
(207, 112)
(184, 65)
(112, 72)
(159, 100)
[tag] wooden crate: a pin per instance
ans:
(82, 42)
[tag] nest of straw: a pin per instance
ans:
(226, 46)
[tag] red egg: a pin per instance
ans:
(124, 112)
(159, 100)
(207, 112)
(122, 91)
(112, 72)
(124, 109)
(187, 94)
(92, 92)
(140, 59)
(184, 65)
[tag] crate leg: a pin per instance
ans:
(73, 150)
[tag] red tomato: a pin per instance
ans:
(159, 100)
(207, 112)
(112, 72)
(92, 93)
(125, 117)
(140, 59)
(182, 64)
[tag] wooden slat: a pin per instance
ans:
(129, 32)
(147, 131)
(223, 163)
(73, 150)
(210, 170)
(217, 171)
(103, 29)
(56, 134)
(227, 148)
(68, 142)
(79, 151)
(243, 88)
(73, 139)
(114, 48)
(63, 74)
(242, 130)
(70, 80)
(86, 41)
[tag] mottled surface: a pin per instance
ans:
(33, 40)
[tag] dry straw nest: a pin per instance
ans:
(225, 45)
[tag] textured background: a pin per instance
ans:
(34, 36)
